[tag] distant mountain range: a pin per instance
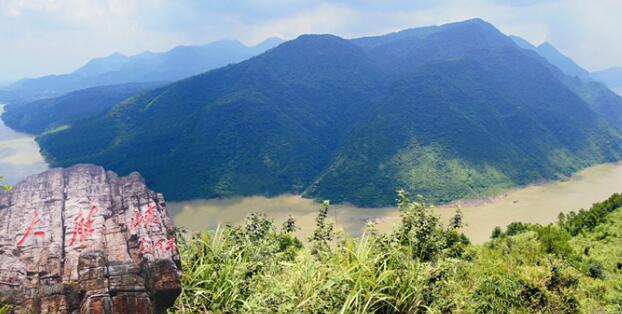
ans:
(451, 111)
(172, 65)
(556, 58)
(47, 115)
(612, 77)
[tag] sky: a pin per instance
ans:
(40, 37)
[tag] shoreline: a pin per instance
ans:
(539, 202)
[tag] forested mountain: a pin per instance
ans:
(447, 111)
(48, 114)
(612, 77)
(172, 65)
(588, 86)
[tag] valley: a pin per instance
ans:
(539, 203)
(449, 112)
(350, 157)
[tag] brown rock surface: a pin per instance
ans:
(82, 239)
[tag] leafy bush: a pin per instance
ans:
(595, 269)
(496, 232)
(420, 267)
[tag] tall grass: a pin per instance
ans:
(422, 267)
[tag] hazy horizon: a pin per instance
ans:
(53, 37)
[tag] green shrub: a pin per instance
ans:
(595, 269)
(421, 267)
(496, 232)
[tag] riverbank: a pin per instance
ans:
(19, 154)
(538, 203)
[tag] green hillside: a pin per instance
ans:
(572, 266)
(48, 114)
(450, 111)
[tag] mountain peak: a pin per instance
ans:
(117, 54)
(477, 22)
(269, 43)
(315, 42)
(318, 38)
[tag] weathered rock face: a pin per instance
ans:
(84, 240)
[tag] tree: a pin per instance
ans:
(420, 228)
(496, 232)
(554, 240)
(289, 225)
(324, 231)
(457, 221)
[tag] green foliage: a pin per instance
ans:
(421, 267)
(457, 221)
(57, 114)
(516, 228)
(221, 268)
(496, 232)
(289, 225)
(596, 270)
(457, 112)
(5, 187)
(554, 240)
(589, 219)
(323, 233)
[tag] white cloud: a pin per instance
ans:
(53, 36)
(325, 18)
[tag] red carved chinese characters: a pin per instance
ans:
(82, 226)
(135, 222)
(163, 245)
(35, 221)
(145, 246)
(150, 217)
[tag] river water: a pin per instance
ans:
(537, 203)
(20, 157)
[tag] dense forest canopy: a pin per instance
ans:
(448, 112)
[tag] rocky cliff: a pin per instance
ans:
(85, 240)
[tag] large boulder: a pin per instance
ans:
(82, 239)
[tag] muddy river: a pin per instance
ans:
(538, 203)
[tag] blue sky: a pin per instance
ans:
(40, 37)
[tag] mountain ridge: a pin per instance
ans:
(172, 65)
(352, 120)
(612, 77)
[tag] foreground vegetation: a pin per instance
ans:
(573, 266)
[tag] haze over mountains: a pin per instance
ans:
(448, 111)
(169, 66)
(51, 113)
(612, 77)
(556, 58)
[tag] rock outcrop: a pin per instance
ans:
(85, 240)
